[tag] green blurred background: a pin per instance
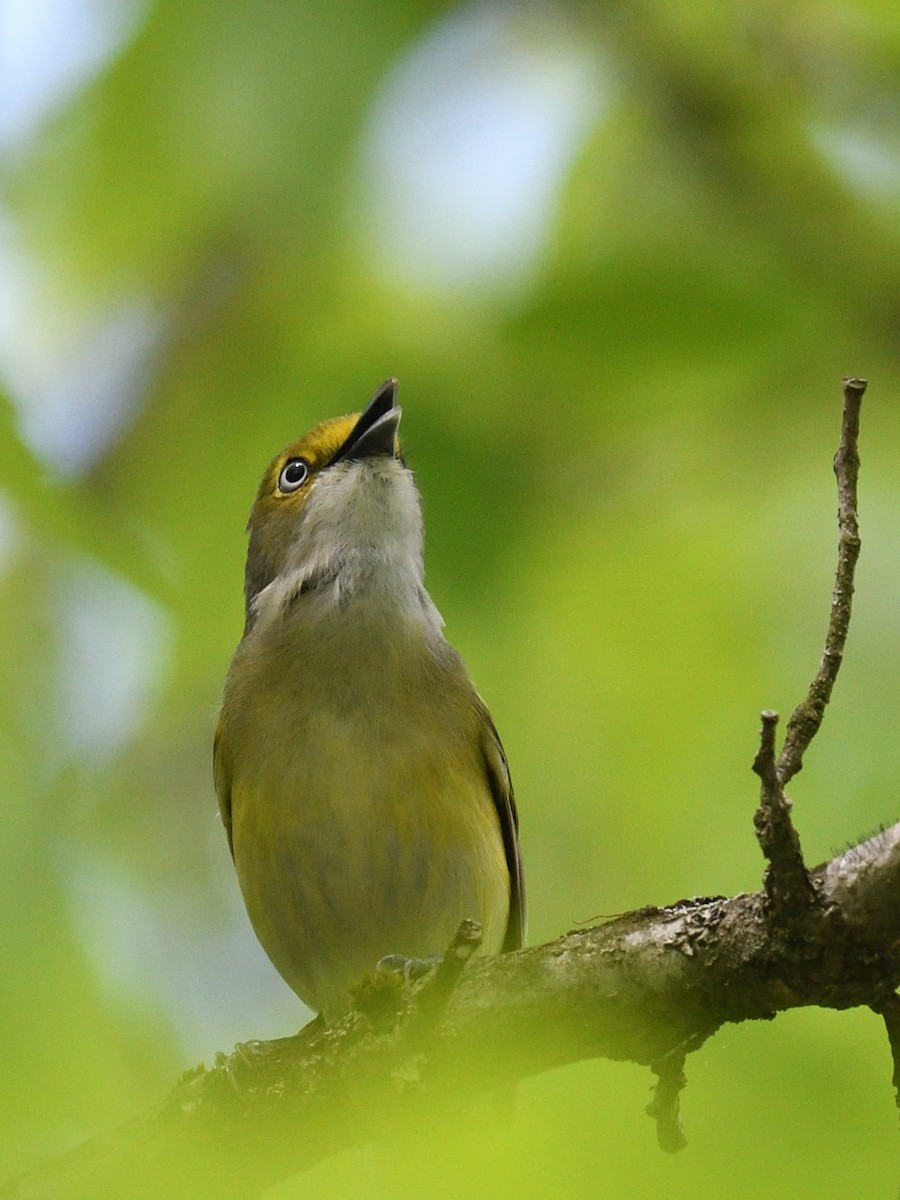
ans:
(619, 257)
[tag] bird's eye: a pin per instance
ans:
(294, 474)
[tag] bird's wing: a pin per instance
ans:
(222, 779)
(505, 804)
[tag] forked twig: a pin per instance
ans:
(787, 880)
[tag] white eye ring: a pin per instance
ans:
(293, 475)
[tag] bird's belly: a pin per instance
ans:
(354, 855)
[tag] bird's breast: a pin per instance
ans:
(362, 818)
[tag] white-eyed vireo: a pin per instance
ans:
(360, 778)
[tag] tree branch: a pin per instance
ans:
(649, 986)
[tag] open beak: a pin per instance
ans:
(375, 432)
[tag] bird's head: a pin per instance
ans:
(338, 500)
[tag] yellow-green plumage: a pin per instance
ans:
(360, 777)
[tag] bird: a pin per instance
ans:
(362, 784)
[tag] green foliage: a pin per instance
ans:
(623, 441)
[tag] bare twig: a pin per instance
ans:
(764, 764)
(664, 1107)
(427, 1000)
(807, 716)
(889, 1008)
(787, 880)
(435, 990)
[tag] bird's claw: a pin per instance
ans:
(409, 968)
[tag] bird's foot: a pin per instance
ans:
(239, 1066)
(408, 968)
